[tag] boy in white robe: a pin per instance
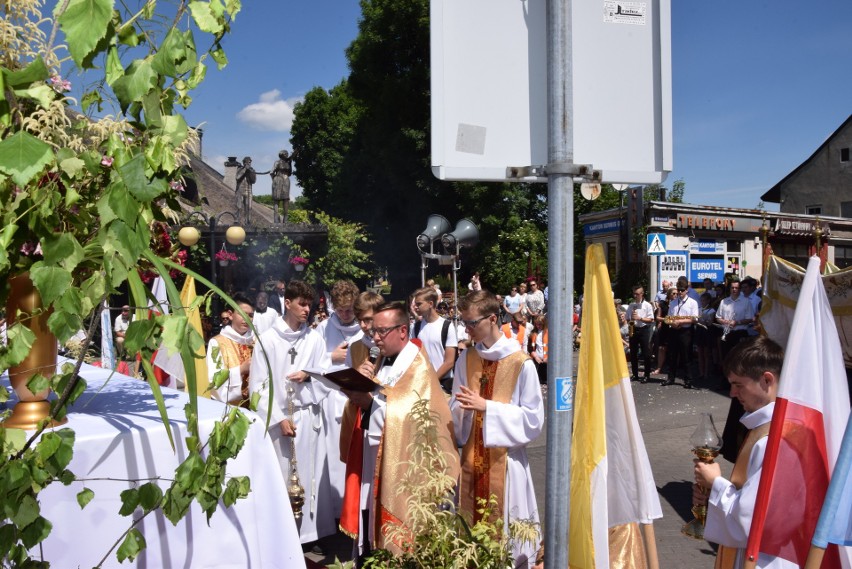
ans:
(291, 346)
(264, 315)
(497, 411)
(338, 332)
(753, 368)
(231, 349)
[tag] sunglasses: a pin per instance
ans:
(473, 323)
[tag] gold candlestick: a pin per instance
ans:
(706, 443)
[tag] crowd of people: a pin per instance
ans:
(350, 447)
(682, 332)
(482, 371)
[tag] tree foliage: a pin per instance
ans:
(345, 257)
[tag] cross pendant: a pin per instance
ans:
(293, 353)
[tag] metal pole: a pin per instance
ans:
(212, 222)
(560, 196)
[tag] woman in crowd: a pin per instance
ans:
(662, 335)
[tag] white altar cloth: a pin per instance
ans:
(119, 434)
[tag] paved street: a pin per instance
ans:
(668, 416)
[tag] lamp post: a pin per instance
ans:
(235, 235)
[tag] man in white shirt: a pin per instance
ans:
(735, 314)
(683, 312)
(437, 334)
(122, 323)
(292, 346)
(641, 314)
(749, 290)
(230, 351)
(661, 295)
(753, 368)
(264, 315)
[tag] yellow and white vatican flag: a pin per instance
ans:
(612, 486)
(172, 363)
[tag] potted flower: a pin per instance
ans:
(299, 263)
(224, 257)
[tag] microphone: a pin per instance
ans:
(374, 354)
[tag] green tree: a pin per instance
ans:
(322, 135)
(345, 257)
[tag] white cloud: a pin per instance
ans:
(270, 113)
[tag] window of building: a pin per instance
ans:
(845, 209)
(611, 258)
(793, 252)
(844, 154)
(815, 209)
(843, 257)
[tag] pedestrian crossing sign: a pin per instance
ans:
(656, 243)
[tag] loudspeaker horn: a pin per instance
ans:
(436, 226)
(465, 235)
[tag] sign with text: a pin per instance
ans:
(672, 266)
(601, 227)
(704, 246)
(701, 268)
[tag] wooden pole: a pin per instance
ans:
(815, 556)
(650, 545)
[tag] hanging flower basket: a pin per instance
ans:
(299, 263)
(224, 257)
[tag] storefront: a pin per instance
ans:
(711, 242)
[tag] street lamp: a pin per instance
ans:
(189, 236)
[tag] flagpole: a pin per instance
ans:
(560, 238)
(650, 545)
(815, 556)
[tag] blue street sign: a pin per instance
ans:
(656, 243)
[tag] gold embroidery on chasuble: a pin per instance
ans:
(392, 465)
(484, 469)
(233, 355)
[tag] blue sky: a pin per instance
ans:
(758, 85)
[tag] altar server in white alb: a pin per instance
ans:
(231, 350)
(264, 315)
(291, 347)
(753, 368)
(338, 333)
(497, 411)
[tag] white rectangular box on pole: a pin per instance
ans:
(489, 88)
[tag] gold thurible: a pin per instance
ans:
(295, 490)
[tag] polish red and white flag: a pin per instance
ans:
(808, 423)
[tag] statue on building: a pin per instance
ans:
(281, 172)
(246, 177)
